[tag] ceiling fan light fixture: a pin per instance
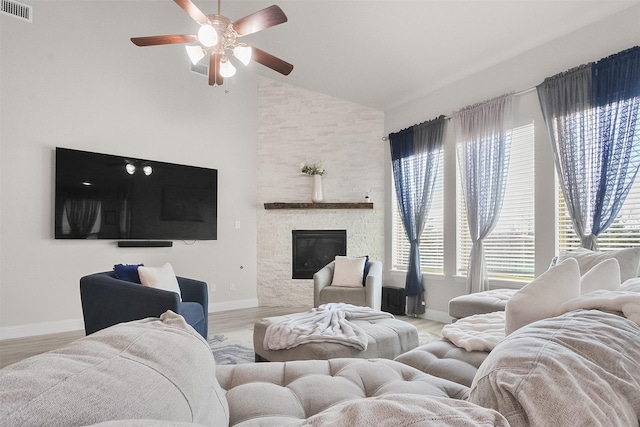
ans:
(207, 35)
(195, 53)
(243, 53)
(226, 68)
(217, 39)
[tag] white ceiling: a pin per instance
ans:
(384, 53)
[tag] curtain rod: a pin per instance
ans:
(522, 92)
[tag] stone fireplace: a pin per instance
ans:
(294, 126)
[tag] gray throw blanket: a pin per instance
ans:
(406, 410)
(330, 323)
(578, 369)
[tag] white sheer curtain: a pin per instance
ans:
(483, 135)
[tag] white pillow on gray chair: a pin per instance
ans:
(348, 271)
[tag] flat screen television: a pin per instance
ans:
(104, 196)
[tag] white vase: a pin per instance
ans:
(316, 189)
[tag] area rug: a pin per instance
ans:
(233, 348)
(425, 337)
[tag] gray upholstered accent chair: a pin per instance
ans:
(369, 295)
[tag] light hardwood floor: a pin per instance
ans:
(13, 350)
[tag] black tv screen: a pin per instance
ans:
(103, 196)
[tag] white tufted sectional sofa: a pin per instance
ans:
(580, 368)
(156, 372)
(282, 393)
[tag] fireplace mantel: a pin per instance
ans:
(295, 205)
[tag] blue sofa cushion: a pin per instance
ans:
(194, 314)
(128, 272)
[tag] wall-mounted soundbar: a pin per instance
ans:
(145, 243)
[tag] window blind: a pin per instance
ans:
(623, 233)
(509, 249)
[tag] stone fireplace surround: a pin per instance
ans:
(294, 126)
(275, 285)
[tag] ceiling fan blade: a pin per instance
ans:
(260, 20)
(268, 60)
(160, 40)
(214, 70)
(193, 11)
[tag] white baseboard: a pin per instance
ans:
(233, 305)
(44, 328)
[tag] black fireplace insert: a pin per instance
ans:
(313, 249)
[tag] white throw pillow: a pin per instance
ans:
(604, 276)
(540, 298)
(348, 272)
(629, 260)
(160, 277)
(631, 285)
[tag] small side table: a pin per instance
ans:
(394, 300)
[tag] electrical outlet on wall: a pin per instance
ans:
(213, 287)
(232, 287)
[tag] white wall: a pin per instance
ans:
(297, 125)
(525, 71)
(73, 79)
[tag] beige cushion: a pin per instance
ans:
(540, 298)
(445, 360)
(158, 369)
(348, 272)
(480, 302)
(162, 277)
(279, 393)
(629, 260)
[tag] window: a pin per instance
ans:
(623, 233)
(509, 249)
(432, 239)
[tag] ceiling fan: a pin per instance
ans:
(218, 38)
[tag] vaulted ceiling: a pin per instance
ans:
(383, 53)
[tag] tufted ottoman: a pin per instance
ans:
(443, 359)
(480, 303)
(275, 394)
(387, 338)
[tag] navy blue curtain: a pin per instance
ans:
(415, 157)
(592, 115)
(616, 97)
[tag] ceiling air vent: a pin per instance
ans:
(18, 10)
(199, 69)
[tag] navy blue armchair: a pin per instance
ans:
(107, 301)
